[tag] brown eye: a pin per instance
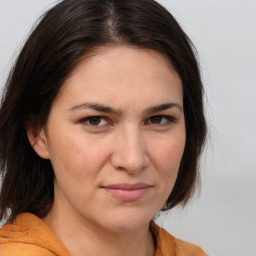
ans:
(160, 120)
(156, 119)
(95, 120)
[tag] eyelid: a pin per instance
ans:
(107, 122)
(170, 119)
(85, 121)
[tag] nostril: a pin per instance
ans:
(130, 152)
(131, 163)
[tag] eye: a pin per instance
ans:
(94, 121)
(159, 120)
(156, 119)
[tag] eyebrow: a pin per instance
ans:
(163, 107)
(97, 107)
(110, 110)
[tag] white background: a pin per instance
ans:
(223, 219)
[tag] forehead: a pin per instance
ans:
(122, 73)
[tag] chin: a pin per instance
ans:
(128, 221)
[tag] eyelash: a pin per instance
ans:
(169, 120)
(90, 118)
(87, 120)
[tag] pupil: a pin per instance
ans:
(156, 119)
(94, 120)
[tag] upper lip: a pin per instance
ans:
(128, 186)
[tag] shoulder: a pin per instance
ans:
(29, 236)
(23, 249)
(168, 245)
(185, 248)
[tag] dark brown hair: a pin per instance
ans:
(66, 33)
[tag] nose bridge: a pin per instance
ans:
(130, 152)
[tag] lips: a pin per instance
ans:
(127, 192)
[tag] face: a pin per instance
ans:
(115, 137)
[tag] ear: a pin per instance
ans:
(38, 140)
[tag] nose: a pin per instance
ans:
(130, 153)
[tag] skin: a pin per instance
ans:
(138, 136)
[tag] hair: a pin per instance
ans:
(66, 33)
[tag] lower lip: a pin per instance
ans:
(127, 195)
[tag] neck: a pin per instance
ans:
(82, 237)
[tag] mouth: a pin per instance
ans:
(127, 192)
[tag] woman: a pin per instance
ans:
(102, 126)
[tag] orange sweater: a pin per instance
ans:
(30, 236)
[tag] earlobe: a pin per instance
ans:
(38, 141)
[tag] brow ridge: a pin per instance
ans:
(110, 110)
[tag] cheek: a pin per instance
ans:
(76, 156)
(168, 155)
